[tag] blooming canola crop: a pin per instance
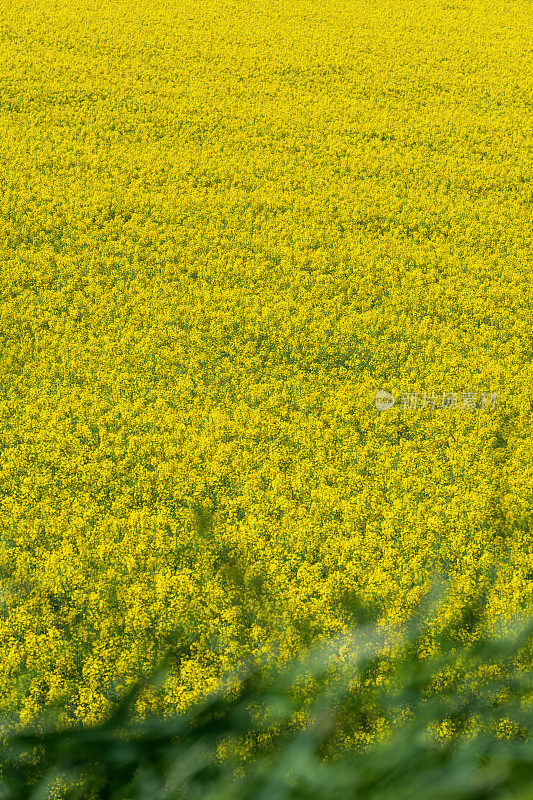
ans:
(223, 228)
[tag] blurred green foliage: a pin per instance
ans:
(271, 733)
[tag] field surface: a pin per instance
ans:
(223, 227)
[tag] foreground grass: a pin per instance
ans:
(271, 734)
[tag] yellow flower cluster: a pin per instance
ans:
(223, 227)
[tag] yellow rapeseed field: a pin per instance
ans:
(224, 226)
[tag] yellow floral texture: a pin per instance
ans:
(224, 226)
